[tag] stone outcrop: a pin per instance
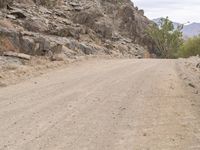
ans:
(73, 28)
(4, 3)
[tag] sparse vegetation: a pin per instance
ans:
(167, 39)
(191, 47)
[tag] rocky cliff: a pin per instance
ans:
(73, 27)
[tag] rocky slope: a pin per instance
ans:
(73, 28)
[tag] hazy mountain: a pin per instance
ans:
(158, 20)
(189, 30)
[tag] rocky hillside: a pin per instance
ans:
(73, 27)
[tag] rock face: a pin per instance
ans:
(4, 3)
(86, 27)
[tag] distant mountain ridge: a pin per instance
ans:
(189, 30)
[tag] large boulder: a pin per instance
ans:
(9, 40)
(67, 31)
(36, 24)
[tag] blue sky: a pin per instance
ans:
(178, 10)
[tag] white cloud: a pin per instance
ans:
(177, 10)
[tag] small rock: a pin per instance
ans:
(196, 92)
(17, 55)
(141, 12)
(74, 4)
(191, 85)
(145, 134)
(18, 14)
(139, 57)
(10, 16)
(78, 8)
(198, 65)
(58, 57)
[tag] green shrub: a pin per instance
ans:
(191, 47)
(166, 37)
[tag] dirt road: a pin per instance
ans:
(101, 105)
